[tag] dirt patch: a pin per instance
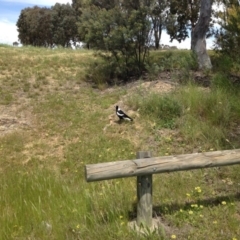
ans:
(162, 85)
(8, 124)
(52, 145)
(14, 117)
(123, 128)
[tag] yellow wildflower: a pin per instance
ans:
(198, 189)
(194, 205)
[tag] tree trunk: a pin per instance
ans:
(156, 39)
(198, 40)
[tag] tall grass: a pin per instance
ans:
(164, 109)
(204, 117)
(209, 115)
(36, 203)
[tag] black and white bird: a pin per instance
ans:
(122, 115)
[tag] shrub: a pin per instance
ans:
(123, 36)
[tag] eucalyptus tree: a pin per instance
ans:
(192, 16)
(35, 26)
(198, 39)
(182, 18)
(158, 15)
(64, 20)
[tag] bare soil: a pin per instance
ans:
(16, 116)
(19, 115)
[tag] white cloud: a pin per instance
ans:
(9, 32)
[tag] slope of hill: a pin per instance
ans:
(53, 122)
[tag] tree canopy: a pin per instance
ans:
(183, 17)
(123, 32)
(48, 26)
(228, 36)
(34, 26)
(127, 29)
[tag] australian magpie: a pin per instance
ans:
(122, 115)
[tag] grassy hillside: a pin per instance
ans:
(53, 122)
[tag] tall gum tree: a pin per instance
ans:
(198, 38)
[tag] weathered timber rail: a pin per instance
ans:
(145, 166)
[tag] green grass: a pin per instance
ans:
(204, 118)
(164, 109)
(44, 194)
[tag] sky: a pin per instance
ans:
(10, 11)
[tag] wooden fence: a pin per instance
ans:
(144, 166)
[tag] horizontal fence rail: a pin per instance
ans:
(145, 166)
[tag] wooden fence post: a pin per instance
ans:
(144, 196)
(143, 168)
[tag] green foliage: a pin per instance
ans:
(101, 73)
(45, 27)
(165, 108)
(122, 35)
(228, 37)
(204, 118)
(221, 81)
(208, 116)
(158, 15)
(156, 11)
(35, 27)
(178, 64)
(227, 72)
(64, 20)
(222, 63)
(182, 13)
(172, 60)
